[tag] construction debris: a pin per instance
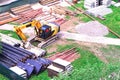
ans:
(92, 28)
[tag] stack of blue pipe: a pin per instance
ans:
(14, 56)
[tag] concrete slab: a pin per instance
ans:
(117, 5)
(99, 11)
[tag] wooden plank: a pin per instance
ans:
(7, 20)
(20, 7)
(45, 2)
(4, 14)
(22, 10)
(4, 17)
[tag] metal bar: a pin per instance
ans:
(14, 49)
(5, 56)
(6, 61)
(27, 67)
(6, 65)
(10, 56)
(20, 50)
(19, 57)
(37, 65)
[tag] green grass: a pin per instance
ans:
(41, 76)
(87, 67)
(13, 34)
(111, 53)
(112, 20)
(3, 77)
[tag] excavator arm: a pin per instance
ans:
(34, 23)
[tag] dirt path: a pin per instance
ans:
(85, 38)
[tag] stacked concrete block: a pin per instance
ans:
(95, 3)
(99, 11)
(59, 66)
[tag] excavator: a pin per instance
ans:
(44, 33)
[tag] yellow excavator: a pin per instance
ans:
(46, 33)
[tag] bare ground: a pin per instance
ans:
(70, 27)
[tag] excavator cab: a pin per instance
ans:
(46, 32)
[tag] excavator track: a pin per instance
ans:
(46, 43)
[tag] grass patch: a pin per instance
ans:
(67, 17)
(111, 35)
(87, 67)
(41, 76)
(13, 34)
(112, 20)
(111, 53)
(3, 77)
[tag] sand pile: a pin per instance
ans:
(92, 28)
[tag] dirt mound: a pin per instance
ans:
(92, 28)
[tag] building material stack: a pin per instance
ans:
(20, 9)
(59, 66)
(68, 55)
(100, 11)
(49, 2)
(25, 13)
(19, 71)
(95, 3)
(7, 17)
(62, 10)
(15, 58)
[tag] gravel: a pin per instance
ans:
(92, 28)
